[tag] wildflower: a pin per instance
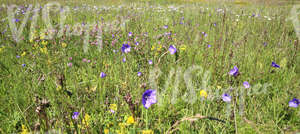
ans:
(24, 130)
(246, 84)
(70, 58)
(149, 98)
(208, 46)
(219, 87)
(102, 75)
(124, 59)
(275, 65)
(137, 43)
(294, 103)
(150, 62)
(44, 50)
(23, 54)
(147, 132)
(70, 64)
(84, 60)
(75, 115)
(23, 65)
(130, 120)
(125, 48)
(165, 26)
(18, 56)
(139, 73)
(203, 93)
(63, 45)
(44, 43)
(226, 97)
(130, 34)
(182, 47)
(86, 120)
(113, 108)
(234, 71)
(172, 49)
(88, 61)
(106, 131)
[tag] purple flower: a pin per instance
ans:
(137, 43)
(102, 75)
(124, 59)
(75, 115)
(150, 62)
(70, 64)
(70, 58)
(165, 26)
(23, 65)
(112, 111)
(294, 103)
(226, 97)
(149, 98)
(172, 49)
(275, 65)
(208, 46)
(88, 61)
(125, 48)
(139, 73)
(17, 20)
(17, 56)
(234, 71)
(130, 34)
(84, 59)
(246, 84)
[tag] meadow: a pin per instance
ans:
(149, 67)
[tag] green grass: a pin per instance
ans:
(237, 39)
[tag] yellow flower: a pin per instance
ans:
(44, 43)
(64, 45)
(203, 93)
(44, 50)
(147, 132)
(159, 47)
(106, 131)
(23, 54)
(182, 47)
(113, 107)
(24, 130)
(86, 120)
(42, 36)
(219, 87)
(130, 120)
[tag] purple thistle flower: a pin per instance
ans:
(149, 98)
(226, 97)
(275, 65)
(150, 62)
(125, 48)
(294, 103)
(246, 84)
(75, 115)
(139, 73)
(172, 49)
(234, 71)
(102, 75)
(130, 34)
